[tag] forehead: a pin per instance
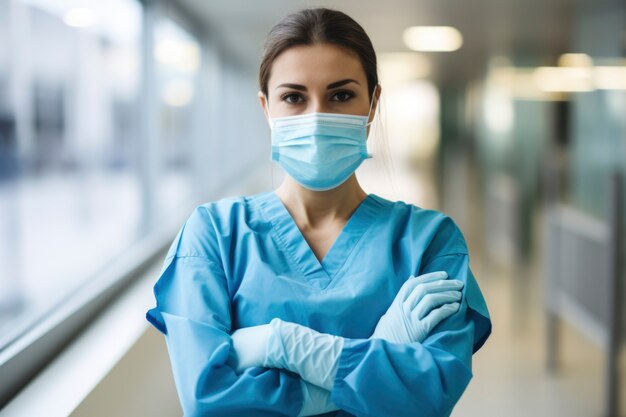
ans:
(319, 63)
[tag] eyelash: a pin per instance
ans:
(284, 97)
(349, 93)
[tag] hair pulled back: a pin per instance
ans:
(318, 25)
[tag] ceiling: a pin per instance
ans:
(530, 32)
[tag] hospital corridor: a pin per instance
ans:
(296, 207)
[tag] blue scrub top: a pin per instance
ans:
(241, 261)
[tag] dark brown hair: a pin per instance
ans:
(319, 25)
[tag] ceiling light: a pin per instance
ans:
(181, 54)
(433, 38)
(575, 60)
(564, 79)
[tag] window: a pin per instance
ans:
(114, 123)
(69, 188)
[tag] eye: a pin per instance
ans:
(292, 98)
(342, 96)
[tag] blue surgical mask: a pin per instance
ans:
(320, 151)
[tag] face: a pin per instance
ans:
(323, 78)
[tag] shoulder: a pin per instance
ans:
(205, 226)
(400, 209)
(433, 231)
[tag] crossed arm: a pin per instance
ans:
(427, 377)
(420, 305)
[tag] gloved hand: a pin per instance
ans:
(311, 354)
(282, 344)
(419, 306)
(249, 347)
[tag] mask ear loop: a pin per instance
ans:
(267, 109)
(269, 122)
(371, 104)
(369, 155)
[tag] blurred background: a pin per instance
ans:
(118, 117)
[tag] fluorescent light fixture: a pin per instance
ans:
(575, 73)
(185, 56)
(80, 17)
(564, 79)
(432, 38)
(575, 60)
(175, 48)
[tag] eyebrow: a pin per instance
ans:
(336, 84)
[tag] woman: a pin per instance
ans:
(319, 297)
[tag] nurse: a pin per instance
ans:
(318, 297)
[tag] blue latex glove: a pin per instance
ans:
(249, 347)
(421, 304)
(281, 344)
(311, 354)
(252, 347)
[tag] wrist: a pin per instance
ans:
(274, 349)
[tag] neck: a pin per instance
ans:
(319, 208)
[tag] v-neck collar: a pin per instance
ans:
(292, 241)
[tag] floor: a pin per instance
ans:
(510, 377)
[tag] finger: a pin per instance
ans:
(412, 282)
(421, 290)
(431, 301)
(437, 315)
(432, 276)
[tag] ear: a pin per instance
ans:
(262, 101)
